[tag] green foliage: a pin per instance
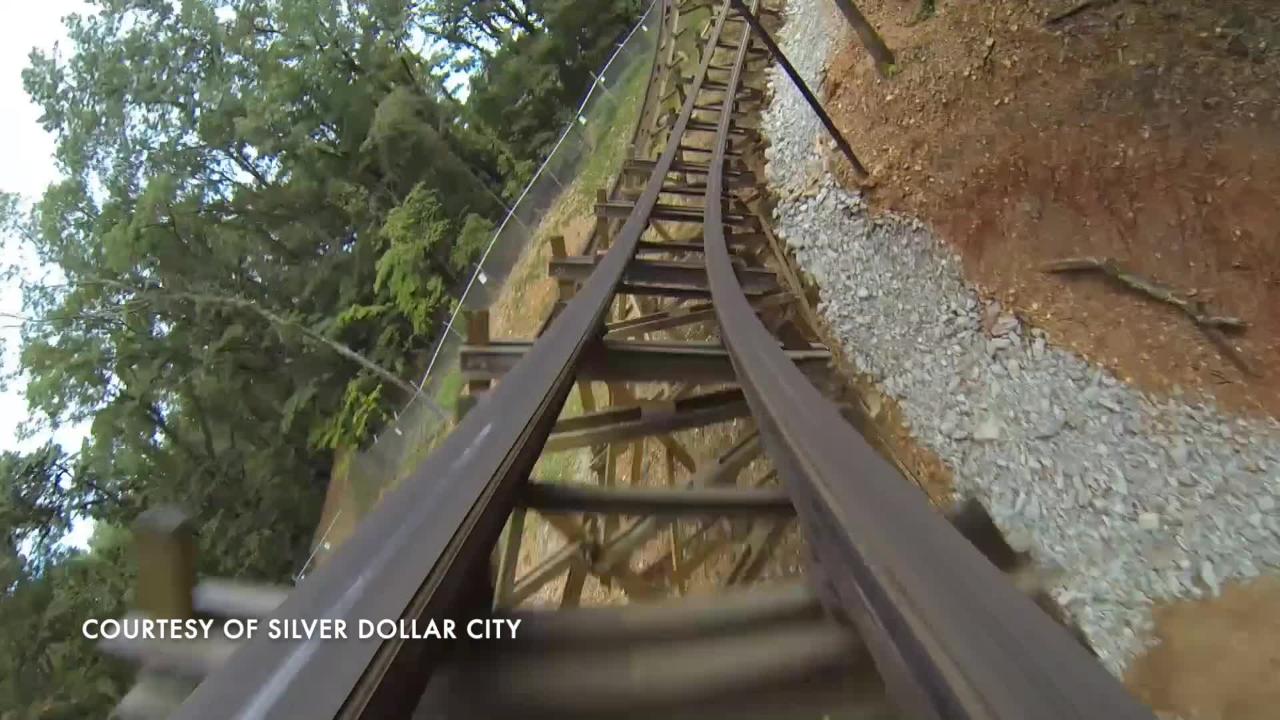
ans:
(47, 668)
(450, 389)
(529, 88)
(610, 132)
(416, 264)
(262, 205)
(472, 240)
(43, 491)
(361, 411)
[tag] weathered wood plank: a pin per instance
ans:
(633, 361)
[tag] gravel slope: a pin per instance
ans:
(1136, 499)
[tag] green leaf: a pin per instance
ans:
(295, 403)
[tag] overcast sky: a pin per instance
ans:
(27, 168)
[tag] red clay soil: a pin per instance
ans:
(1217, 659)
(1147, 132)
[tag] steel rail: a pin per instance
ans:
(420, 552)
(952, 638)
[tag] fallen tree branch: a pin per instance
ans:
(1213, 326)
(243, 304)
(1075, 10)
(340, 348)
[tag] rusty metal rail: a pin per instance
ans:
(951, 637)
(901, 596)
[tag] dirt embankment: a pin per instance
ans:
(1144, 132)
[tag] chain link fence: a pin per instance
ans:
(587, 152)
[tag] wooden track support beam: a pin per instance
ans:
(658, 274)
(668, 213)
(609, 558)
(633, 361)
(719, 472)
(756, 550)
(681, 315)
(509, 557)
(733, 177)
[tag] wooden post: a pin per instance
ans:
(478, 328)
(565, 288)
(477, 335)
(153, 695)
(602, 224)
(610, 476)
(558, 248)
(509, 559)
(166, 549)
(571, 596)
(755, 555)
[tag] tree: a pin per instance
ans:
(242, 180)
(530, 87)
(267, 209)
(44, 492)
(48, 669)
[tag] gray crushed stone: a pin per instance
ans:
(1133, 499)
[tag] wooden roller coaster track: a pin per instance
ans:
(905, 611)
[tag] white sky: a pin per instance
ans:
(27, 168)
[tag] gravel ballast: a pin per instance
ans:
(1129, 498)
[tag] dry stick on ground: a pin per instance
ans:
(384, 374)
(1075, 10)
(1213, 326)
